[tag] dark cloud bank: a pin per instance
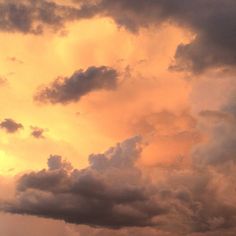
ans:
(213, 22)
(112, 192)
(71, 89)
(30, 16)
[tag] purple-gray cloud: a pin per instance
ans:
(37, 132)
(10, 125)
(213, 22)
(112, 192)
(71, 89)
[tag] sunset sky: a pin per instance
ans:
(118, 117)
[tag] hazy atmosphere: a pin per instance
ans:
(118, 117)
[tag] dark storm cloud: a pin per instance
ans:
(113, 193)
(213, 21)
(15, 60)
(10, 125)
(71, 89)
(110, 192)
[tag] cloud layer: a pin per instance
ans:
(112, 192)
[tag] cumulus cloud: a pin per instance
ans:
(71, 89)
(10, 125)
(112, 192)
(217, 116)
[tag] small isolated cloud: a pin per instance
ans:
(10, 125)
(37, 132)
(71, 89)
(15, 60)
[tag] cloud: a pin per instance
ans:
(28, 225)
(212, 22)
(71, 89)
(112, 192)
(109, 193)
(55, 162)
(10, 125)
(219, 150)
(29, 16)
(217, 116)
(37, 132)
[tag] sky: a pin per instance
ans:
(117, 117)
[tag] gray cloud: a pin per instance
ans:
(10, 125)
(213, 22)
(55, 162)
(113, 193)
(71, 89)
(29, 16)
(110, 192)
(217, 116)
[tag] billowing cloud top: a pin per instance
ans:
(64, 90)
(110, 192)
(113, 193)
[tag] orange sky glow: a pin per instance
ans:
(117, 118)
